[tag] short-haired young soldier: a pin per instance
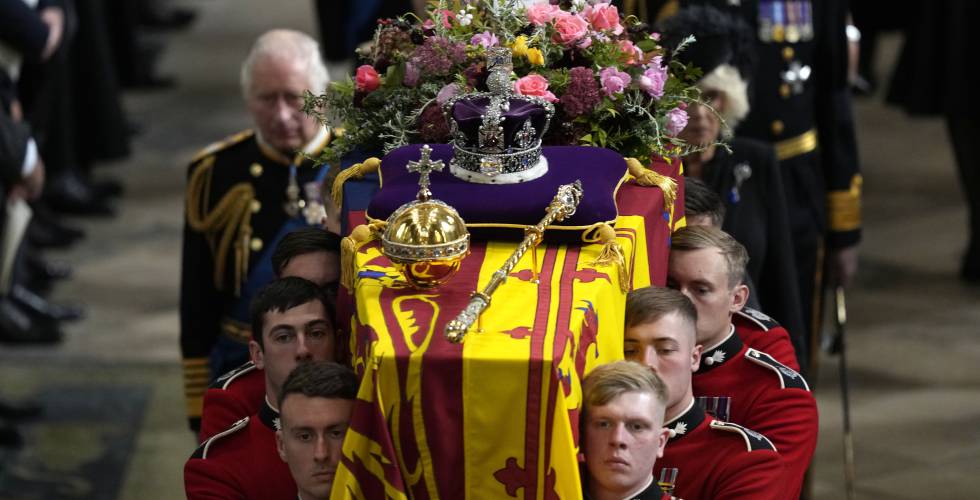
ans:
(290, 326)
(712, 459)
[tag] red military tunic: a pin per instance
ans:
(720, 461)
(763, 333)
(241, 463)
(764, 395)
(233, 396)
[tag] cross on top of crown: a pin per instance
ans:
(424, 166)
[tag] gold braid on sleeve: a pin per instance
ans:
(227, 224)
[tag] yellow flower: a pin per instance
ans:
(535, 57)
(519, 47)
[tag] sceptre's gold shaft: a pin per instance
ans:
(562, 206)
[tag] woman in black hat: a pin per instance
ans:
(747, 178)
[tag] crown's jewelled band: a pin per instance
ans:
(503, 163)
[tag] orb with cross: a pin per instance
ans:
(426, 239)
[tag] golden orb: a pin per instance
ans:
(427, 241)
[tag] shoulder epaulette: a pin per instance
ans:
(788, 377)
(758, 317)
(202, 450)
(753, 440)
(225, 380)
(229, 141)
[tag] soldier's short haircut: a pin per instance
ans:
(650, 304)
(282, 295)
(291, 44)
(701, 201)
(701, 237)
(301, 242)
(320, 379)
(609, 381)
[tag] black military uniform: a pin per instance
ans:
(800, 103)
(242, 197)
(750, 184)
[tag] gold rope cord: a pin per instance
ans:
(229, 220)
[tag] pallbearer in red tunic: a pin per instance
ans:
(310, 253)
(242, 461)
(623, 433)
(704, 458)
(737, 383)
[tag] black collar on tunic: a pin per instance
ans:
(721, 353)
(686, 423)
(269, 415)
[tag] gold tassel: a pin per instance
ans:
(611, 253)
(646, 177)
(348, 251)
(356, 171)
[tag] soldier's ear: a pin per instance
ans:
(696, 357)
(255, 353)
(740, 297)
(662, 441)
(280, 447)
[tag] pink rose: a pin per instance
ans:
(534, 85)
(676, 120)
(632, 52)
(367, 78)
(541, 14)
(653, 79)
(604, 17)
(569, 28)
(445, 15)
(613, 81)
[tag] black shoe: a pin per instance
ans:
(43, 235)
(173, 19)
(149, 81)
(10, 437)
(44, 215)
(22, 411)
(19, 327)
(107, 188)
(40, 268)
(71, 194)
(41, 308)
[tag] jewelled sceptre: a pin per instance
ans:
(561, 207)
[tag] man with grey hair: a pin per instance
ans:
(243, 194)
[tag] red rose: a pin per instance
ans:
(367, 79)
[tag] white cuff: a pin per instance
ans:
(30, 159)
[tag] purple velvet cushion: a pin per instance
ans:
(493, 211)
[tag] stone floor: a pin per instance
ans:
(115, 425)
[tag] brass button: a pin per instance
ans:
(256, 205)
(788, 53)
(255, 244)
(255, 170)
(784, 91)
(777, 127)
